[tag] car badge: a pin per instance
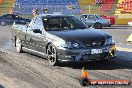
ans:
(94, 43)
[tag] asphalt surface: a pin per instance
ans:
(28, 71)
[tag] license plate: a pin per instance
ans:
(96, 51)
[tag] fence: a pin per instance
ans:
(26, 10)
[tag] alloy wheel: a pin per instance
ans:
(18, 45)
(52, 55)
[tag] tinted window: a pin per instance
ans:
(8, 16)
(91, 17)
(98, 17)
(84, 17)
(63, 23)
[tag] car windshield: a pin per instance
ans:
(63, 23)
(98, 17)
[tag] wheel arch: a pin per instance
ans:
(48, 45)
(97, 23)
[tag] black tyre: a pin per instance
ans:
(18, 45)
(97, 25)
(109, 25)
(52, 55)
(3, 23)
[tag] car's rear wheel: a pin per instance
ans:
(3, 23)
(97, 25)
(52, 55)
(18, 45)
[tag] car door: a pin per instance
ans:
(90, 19)
(35, 37)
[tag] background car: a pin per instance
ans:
(9, 19)
(110, 18)
(130, 23)
(94, 20)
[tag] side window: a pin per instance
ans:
(84, 17)
(91, 17)
(98, 17)
(9, 16)
(4, 16)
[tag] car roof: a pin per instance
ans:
(90, 14)
(53, 15)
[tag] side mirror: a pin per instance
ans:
(37, 31)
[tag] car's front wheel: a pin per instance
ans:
(18, 45)
(2, 23)
(52, 55)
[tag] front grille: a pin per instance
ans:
(94, 43)
(95, 56)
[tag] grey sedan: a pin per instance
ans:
(94, 20)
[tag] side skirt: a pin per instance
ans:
(40, 54)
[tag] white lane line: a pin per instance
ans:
(124, 49)
(124, 44)
(128, 44)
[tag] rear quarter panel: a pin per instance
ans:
(18, 31)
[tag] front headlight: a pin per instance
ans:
(110, 41)
(71, 45)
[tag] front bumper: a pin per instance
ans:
(82, 55)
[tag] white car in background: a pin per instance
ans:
(95, 20)
(130, 23)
